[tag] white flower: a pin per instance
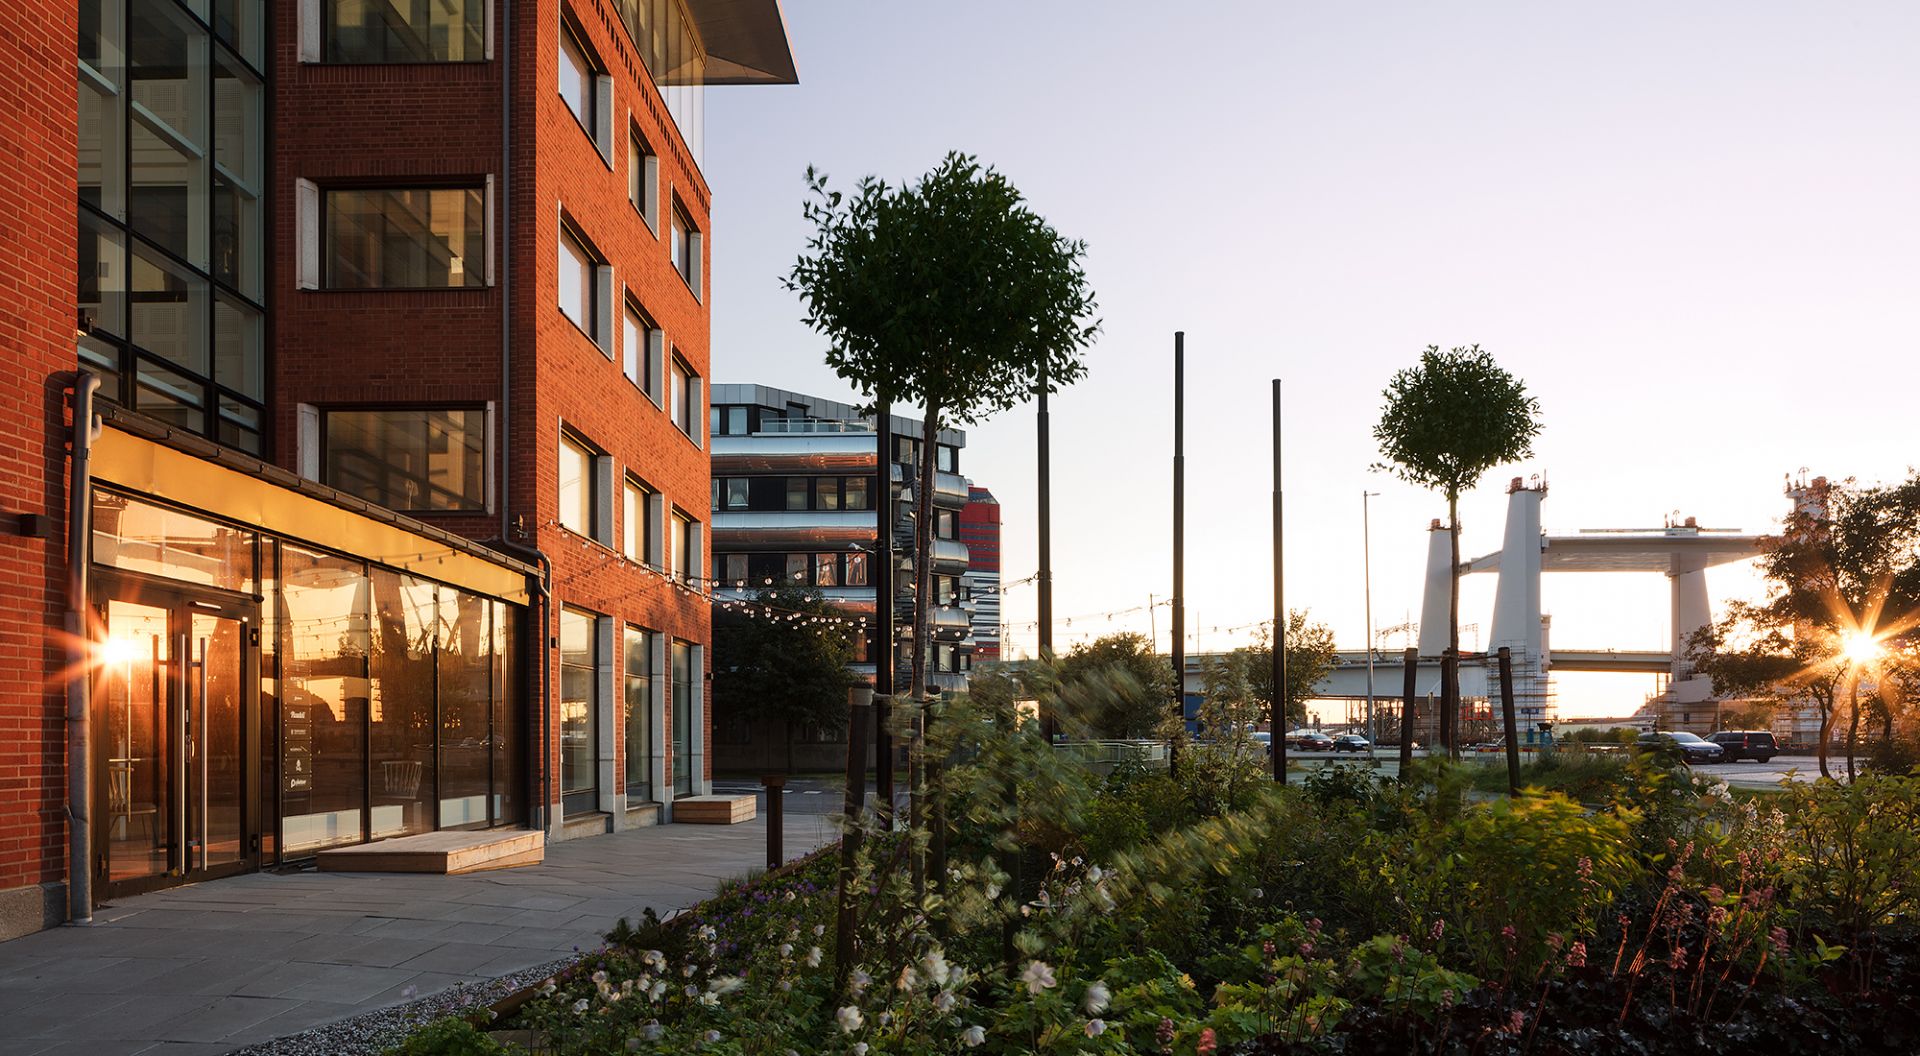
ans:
(580, 1006)
(859, 1048)
(711, 1036)
(1094, 873)
(786, 950)
(1097, 997)
(1038, 977)
(934, 964)
(686, 971)
(725, 984)
(652, 1030)
(859, 980)
(849, 1019)
(690, 990)
(908, 978)
(547, 988)
(1258, 893)
(813, 957)
(707, 933)
(657, 990)
(993, 892)
(654, 959)
(1096, 1027)
(599, 977)
(943, 1002)
(710, 1000)
(786, 986)
(974, 1035)
(819, 930)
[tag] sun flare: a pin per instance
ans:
(1862, 648)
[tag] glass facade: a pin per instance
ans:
(579, 711)
(411, 239)
(376, 31)
(663, 33)
(387, 703)
(680, 678)
(171, 281)
(641, 713)
(418, 459)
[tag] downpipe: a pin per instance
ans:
(86, 429)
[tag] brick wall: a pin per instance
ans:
(38, 225)
(418, 124)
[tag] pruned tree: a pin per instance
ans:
(1448, 421)
(784, 657)
(1135, 708)
(1311, 656)
(949, 293)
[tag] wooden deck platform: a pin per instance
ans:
(459, 851)
(714, 810)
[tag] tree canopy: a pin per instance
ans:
(1452, 418)
(1123, 714)
(784, 657)
(1310, 657)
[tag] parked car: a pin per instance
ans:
(1757, 745)
(1309, 741)
(1351, 742)
(1691, 747)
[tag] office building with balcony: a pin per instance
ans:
(798, 496)
(980, 531)
(358, 481)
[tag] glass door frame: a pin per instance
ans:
(182, 601)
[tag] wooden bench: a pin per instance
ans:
(714, 810)
(457, 851)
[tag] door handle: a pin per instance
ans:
(204, 761)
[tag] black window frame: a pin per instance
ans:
(326, 413)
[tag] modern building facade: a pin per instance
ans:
(796, 499)
(354, 487)
(980, 531)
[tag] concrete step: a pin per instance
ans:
(460, 851)
(714, 810)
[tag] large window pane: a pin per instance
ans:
(103, 275)
(576, 78)
(633, 522)
(415, 459)
(242, 24)
(239, 176)
(171, 397)
(509, 718)
(419, 238)
(576, 282)
(239, 347)
(640, 710)
(162, 541)
(169, 67)
(681, 676)
(465, 676)
(576, 487)
(103, 146)
(406, 30)
(169, 310)
(579, 710)
(400, 720)
(323, 702)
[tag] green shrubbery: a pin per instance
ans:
(1641, 910)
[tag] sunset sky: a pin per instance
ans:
(1691, 232)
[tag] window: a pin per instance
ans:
(733, 570)
(797, 493)
(576, 282)
(946, 458)
(829, 488)
(641, 348)
(418, 238)
(736, 421)
(736, 493)
(643, 181)
(585, 481)
(946, 525)
(796, 569)
(409, 459)
(856, 569)
(684, 249)
(681, 675)
(587, 91)
(637, 672)
(856, 493)
(683, 394)
(370, 31)
(579, 711)
(684, 544)
(635, 514)
(826, 568)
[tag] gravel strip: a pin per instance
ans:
(374, 1032)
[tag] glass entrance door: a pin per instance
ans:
(174, 703)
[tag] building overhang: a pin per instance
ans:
(1602, 551)
(746, 41)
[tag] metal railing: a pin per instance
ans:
(795, 426)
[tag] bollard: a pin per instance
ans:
(776, 785)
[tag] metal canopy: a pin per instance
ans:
(746, 41)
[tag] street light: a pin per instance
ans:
(1366, 566)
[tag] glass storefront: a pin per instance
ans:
(267, 699)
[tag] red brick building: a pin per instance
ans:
(980, 530)
(395, 514)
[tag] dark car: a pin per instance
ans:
(1757, 745)
(1309, 741)
(1351, 742)
(1690, 747)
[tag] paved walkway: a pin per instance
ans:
(212, 967)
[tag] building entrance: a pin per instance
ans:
(175, 736)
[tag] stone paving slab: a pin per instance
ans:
(217, 966)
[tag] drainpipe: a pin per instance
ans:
(86, 429)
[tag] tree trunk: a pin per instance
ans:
(1450, 687)
(1853, 726)
(1826, 730)
(922, 634)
